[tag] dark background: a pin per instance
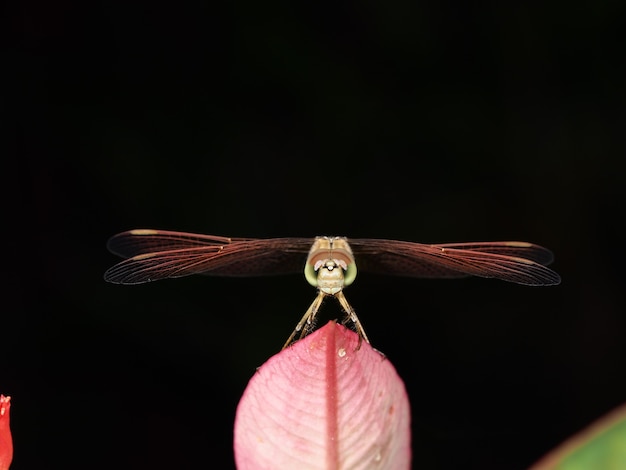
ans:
(431, 122)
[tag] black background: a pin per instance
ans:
(431, 122)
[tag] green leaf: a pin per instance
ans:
(602, 445)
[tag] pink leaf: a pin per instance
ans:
(323, 404)
(6, 442)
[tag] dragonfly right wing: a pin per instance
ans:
(142, 241)
(156, 254)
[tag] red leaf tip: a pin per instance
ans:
(324, 403)
(6, 441)
(5, 405)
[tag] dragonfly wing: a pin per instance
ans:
(441, 261)
(161, 265)
(159, 254)
(526, 250)
(400, 264)
(242, 257)
(141, 241)
(507, 268)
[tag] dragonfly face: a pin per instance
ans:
(330, 264)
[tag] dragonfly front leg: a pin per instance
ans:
(306, 323)
(351, 315)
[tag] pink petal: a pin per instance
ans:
(6, 442)
(322, 404)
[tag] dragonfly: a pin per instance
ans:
(329, 263)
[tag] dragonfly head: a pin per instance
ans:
(330, 265)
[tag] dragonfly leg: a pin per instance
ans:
(351, 315)
(305, 324)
